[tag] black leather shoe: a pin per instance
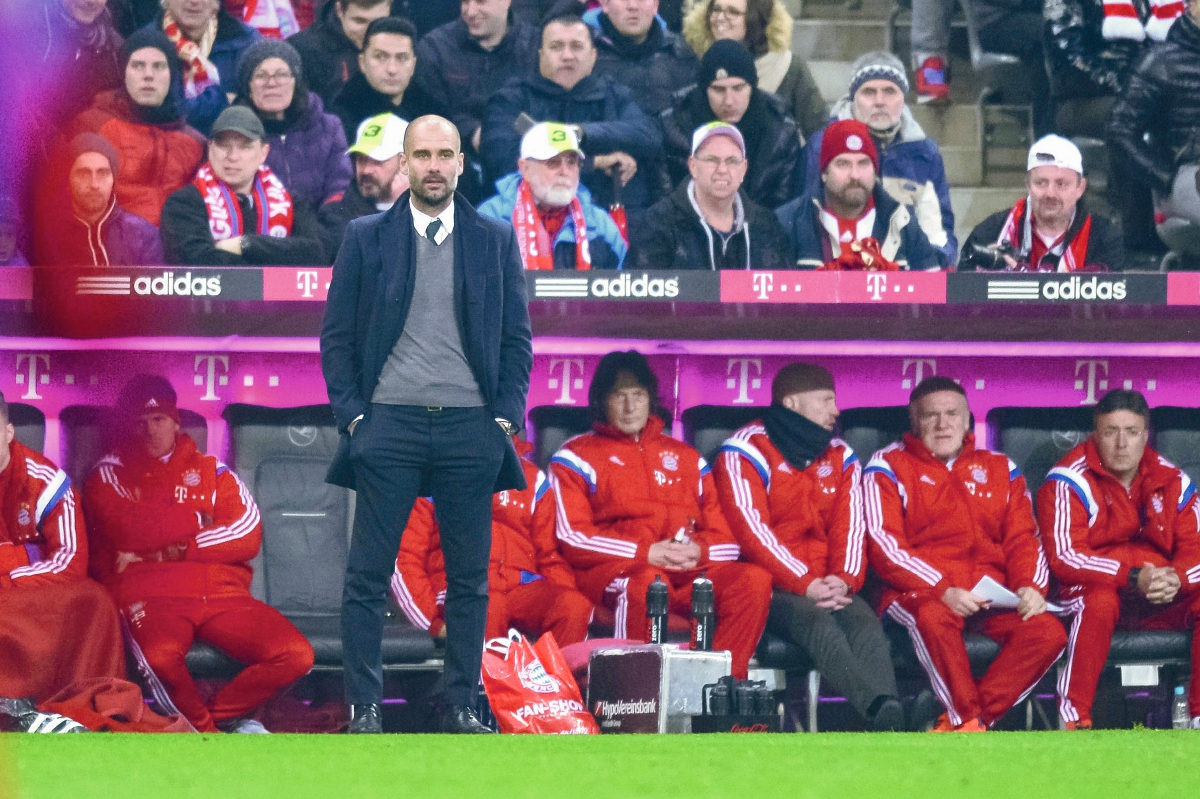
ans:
(462, 719)
(923, 713)
(889, 717)
(366, 719)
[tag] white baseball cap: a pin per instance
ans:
(547, 140)
(717, 128)
(380, 137)
(1054, 150)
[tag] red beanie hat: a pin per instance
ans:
(847, 136)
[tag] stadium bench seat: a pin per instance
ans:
(30, 425)
(551, 425)
(1176, 433)
(868, 430)
(706, 427)
(88, 433)
(282, 454)
(1037, 438)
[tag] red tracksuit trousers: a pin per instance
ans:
(275, 653)
(1027, 650)
(540, 607)
(742, 593)
(1098, 612)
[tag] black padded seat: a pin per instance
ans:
(868, 430)
(1037, 438)
(30, 425)
(1177, 436)
(551, 425)
(706, 427)
(88, 432)
(1150, 646)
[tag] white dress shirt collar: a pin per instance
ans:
(421, 221)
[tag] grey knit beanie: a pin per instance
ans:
(877, 65)
(259, 52)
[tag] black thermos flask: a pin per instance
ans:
(657, 600)
(704, 618)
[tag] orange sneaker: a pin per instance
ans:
(1078, 725)
(943, 724)
(971, 725)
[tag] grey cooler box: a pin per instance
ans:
(650, 687)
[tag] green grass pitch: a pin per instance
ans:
(1136, 763)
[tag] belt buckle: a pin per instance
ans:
(433, 408)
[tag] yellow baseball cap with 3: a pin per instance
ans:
(546, 140)
(380, 137)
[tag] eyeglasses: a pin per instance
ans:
(267, 78)
(712, 162)
(725, 11)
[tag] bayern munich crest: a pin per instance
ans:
(534, 677)
(23, 516)
(1155, 500)
(824, 470)
(978, 475)
(670, 462)
(191, 479)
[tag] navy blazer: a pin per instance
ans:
(369, 298)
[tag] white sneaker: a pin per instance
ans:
(1195, 725)
(53, 723)
(248, 727)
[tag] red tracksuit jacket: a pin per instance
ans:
(42, 536)
(1095, 531)
(934, 526)
(523, 548)
(616, 495)
(798, 525)
(161, 512)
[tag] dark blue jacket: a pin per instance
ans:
(309, 154)
(118, 239)
(368, 304)
(610, 118)
(895, 229)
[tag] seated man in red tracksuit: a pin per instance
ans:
(173, 532)
(530, 586)
(634, 504)
(941, 516)
(1120, 526)
(791, 493)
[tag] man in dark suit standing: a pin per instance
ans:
(426, 353)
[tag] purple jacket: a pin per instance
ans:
(309, 155)
(118, 239)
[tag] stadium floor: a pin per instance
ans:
(1141, 763)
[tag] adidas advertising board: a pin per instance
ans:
(1088, 287)
(171, 282)
(625, 286)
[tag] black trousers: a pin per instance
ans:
(396, 450)
(847, 646)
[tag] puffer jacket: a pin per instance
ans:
(119, 238)
(358, 99)
(191, 522)
(673, 235)
(607, 247)
(1080, 61)
(900, 237)
(327, 55)
(619, 494)
(800, 525)
(77, 62)
(309, 154)
(933, 526)
(781, 72)
(772, 142)
(911, 171)
(1162, 98)
(156, 160)
(610, 118)
(654, 70)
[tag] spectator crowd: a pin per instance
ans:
(665, 135)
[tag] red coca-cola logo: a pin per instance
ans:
(759, 727)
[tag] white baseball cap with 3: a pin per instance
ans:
(547, 140)
(1054, 150)
(380, 137)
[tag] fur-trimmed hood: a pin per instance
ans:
(698, 36)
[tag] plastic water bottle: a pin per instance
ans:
(704, 617)
(657, 599)
(1181, 718)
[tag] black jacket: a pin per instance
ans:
(772, 142)
(337, 212)
(1162, 98)
(368, 304)
(1081, 63)
(187, 240)
(358, 100)
(459, 75)
(327, 55)
(673, 236)
(1104, 247)
(654, 70)
(610, 118)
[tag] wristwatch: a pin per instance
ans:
(508, 427)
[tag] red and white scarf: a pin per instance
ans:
(1121, 19)
(198, 72)
(1018, 231)
(273, 207)
(537, 250)
(274, 19)
(845, 231)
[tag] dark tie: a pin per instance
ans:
(431, 232)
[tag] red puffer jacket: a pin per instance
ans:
(42, 537)
(1096, 531)
(618, 494)
(185, 528)
(934, 526)
(800, 525)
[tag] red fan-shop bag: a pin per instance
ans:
(530, 688)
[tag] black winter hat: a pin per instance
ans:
(170, 109)
(147, 394)
(94, 143)
(727, 59)
(259, 52)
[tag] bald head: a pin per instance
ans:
(433, 160)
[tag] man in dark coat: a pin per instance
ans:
(329, 47)
(707, 223)
(80, 55)
(726, 90)
(426, 351)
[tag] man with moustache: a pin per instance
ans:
(1049, 230)
(426, 351)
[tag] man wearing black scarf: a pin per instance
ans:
(634, 48)
(790, 491)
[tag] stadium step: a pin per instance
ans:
(974, 204)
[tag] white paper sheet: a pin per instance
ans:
(1001, 597)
